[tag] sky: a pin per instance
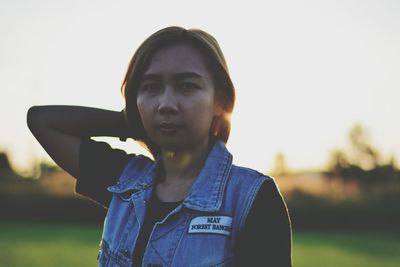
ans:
(304, 71)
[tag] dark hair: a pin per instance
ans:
(209, 47)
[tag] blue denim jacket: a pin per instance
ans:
(201, 231)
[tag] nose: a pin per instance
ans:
(168, 104)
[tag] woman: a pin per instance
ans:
(189, 206)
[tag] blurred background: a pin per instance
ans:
(317, 108)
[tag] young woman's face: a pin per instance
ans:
(176, 98)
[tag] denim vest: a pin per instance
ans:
(201, 231)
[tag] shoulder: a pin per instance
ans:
(100, 152)
(240, 174)
(263, 186)
(98, 158)
(247, 186)
(136, 167)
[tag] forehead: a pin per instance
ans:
(178, 58)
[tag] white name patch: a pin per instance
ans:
(211, 225)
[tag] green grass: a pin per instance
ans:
(353, 249)
(28, 244)
(31, 244)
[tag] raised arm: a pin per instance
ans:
(59, 130)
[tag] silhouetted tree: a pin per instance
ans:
(5, 165)
(280, 167)
(364, 155)
(362, 163)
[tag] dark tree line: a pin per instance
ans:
(363, 163)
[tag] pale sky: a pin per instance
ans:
(304, 71)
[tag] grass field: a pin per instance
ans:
(23, 244)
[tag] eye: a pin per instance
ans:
(150, 88)
(188, 86)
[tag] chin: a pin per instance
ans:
(173, 147)
(180, 142)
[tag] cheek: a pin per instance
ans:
(139, 106)
(202, 112)
(143, 109)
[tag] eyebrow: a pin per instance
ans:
(179, 76)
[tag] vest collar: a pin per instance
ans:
(207, 191)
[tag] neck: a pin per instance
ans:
(184, 165)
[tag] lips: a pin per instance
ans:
(168, 128)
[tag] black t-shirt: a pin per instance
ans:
(156, 212)
(265, 239)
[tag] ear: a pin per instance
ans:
(218, 109)
(218, 105)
